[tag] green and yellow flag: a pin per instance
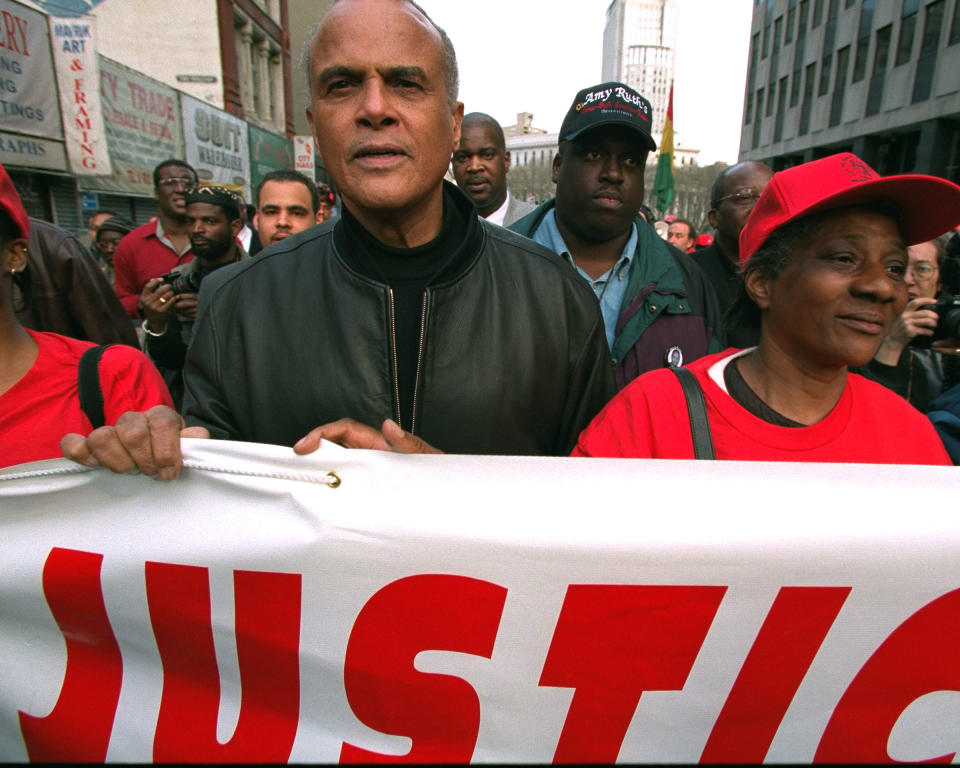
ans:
(663, 182)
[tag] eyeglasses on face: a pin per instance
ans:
(921, 271)
(179, 182)
(744, 196)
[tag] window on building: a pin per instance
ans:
(749, 110)
(795, 88)
(825, 69)
(770, 97)
(767, 18)
(880, 56)
(908, 25)
(758, 120)
(777, 29)
(791, 19)
(798, 53)
(863, 40)
(848, 3)
(839, 86)
(817, 13)
(829, 33)
(955, 25)
(781, 109)
(927, 62)
(809, 74)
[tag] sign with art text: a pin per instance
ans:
(73, 43)
(216, 145)
(356, 606)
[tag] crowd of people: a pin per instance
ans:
(426, 316)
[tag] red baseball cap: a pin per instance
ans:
(10, 202)
(928, 205)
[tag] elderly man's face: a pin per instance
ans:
(379, 107)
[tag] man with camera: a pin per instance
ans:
(169, 302)
(917, 359)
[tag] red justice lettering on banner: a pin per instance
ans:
(78, 729)
(612, 643)
(782, 653)
(920, 657)
(440, 713)
(267, 609)
(268, 639)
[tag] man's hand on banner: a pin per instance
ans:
(147, 441)
(352, 434)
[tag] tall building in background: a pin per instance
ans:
(639, 42)
(874, 77)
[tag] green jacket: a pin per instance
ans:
(667, 303)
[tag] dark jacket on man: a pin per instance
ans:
(667, 304)
(725, 278)
(511, 359)
(65, 291)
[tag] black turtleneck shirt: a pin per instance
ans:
(408, 272)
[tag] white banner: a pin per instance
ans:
(357, 606)
(73, 42)
(216, 145)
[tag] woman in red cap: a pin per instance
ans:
(39, 384)
(824, 257)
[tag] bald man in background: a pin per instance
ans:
(480, 166)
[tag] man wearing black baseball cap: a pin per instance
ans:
(657, 307)
(170, 301)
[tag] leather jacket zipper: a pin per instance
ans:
(416, 381)
(393, 349)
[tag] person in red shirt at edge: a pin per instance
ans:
(823, 257)
(39, 390)
(155, 248)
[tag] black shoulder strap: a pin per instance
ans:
(91, 394)
(697, 409)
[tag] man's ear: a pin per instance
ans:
(456, 114)
(235, 226)
(506, 160)
(14, 257)
(557, 159)
(758, 287)
(712, 217)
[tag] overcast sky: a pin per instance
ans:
(534, 55)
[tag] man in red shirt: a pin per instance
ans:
(156, 247)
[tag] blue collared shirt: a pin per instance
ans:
(610, 286)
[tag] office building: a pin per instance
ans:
(639, 42)
(880, 78)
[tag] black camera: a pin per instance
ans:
(181, 282)
(948, 323)
(948, 303)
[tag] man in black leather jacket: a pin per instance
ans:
(409, 319)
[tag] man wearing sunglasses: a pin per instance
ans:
(732, 196)
(156, 247)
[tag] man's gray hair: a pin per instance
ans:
(451, 72)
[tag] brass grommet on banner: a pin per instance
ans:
(332, 479)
